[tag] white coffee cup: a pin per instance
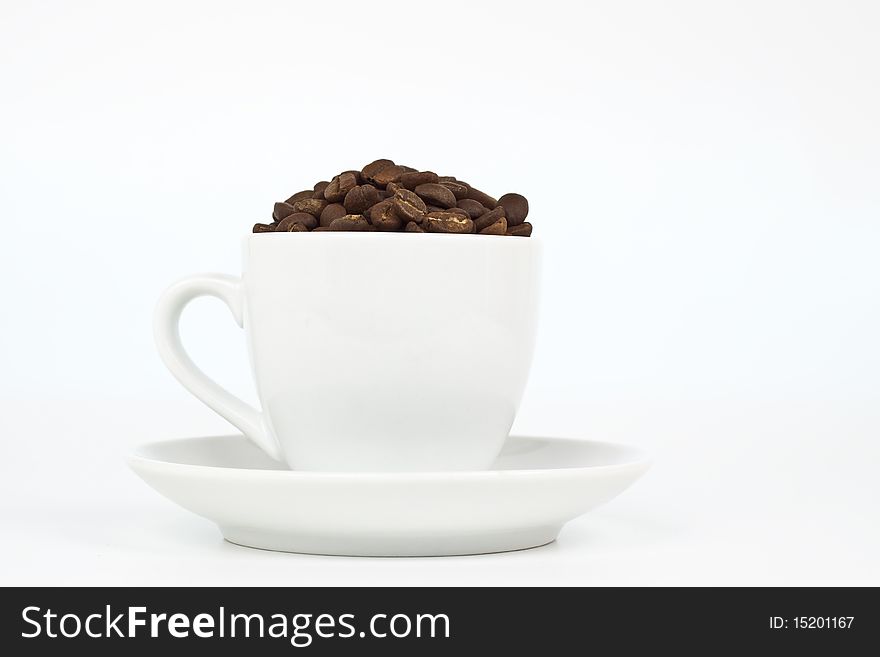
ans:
(373, 352)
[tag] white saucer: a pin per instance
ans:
(535, 487)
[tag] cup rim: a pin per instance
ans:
(395, 235)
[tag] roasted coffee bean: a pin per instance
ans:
(436, 194)
(313, 206)
(413, 179)
(356, 222)
(320, 229)
(357, 176)
(375, 167)
(408, 206)
(487, 219)
(447, 222)
(292, 227)
(319, 189)
(299, 196)
(498, 228)
(331, 212)
(340, 186)
(522, 230)
(360, 198)
(368, 213)
(458, 189)
(281, 210)
(310, 221)
(473, 208)
(282, 226)
(392, 197)
(307, 220)
(384, 216)
(516, 208)
(481, 197)
(389, 174)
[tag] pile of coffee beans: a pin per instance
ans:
(384, 196)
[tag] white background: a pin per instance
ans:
(706, 180)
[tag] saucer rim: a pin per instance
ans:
(639, 459)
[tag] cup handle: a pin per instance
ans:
(166, 331)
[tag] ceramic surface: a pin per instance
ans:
(534, 487)
(373, 352)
